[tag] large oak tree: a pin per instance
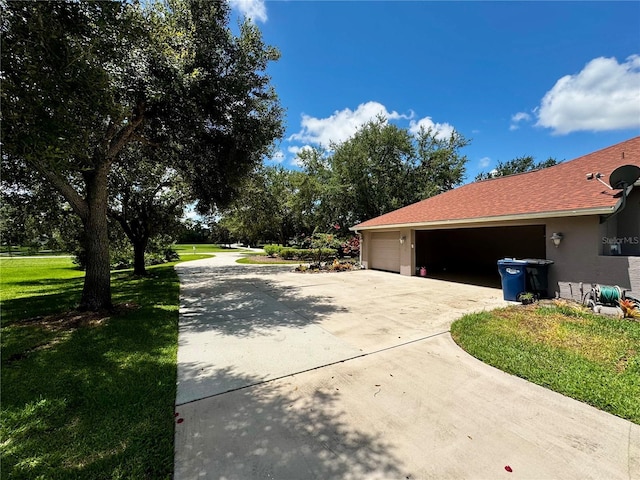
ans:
(82, 81)
(382, 167)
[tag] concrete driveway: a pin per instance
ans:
(354, 375)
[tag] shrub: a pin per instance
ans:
(288, 253)
(272, 250)
(351, 247)
(121, 256)
(312, 254)
(324, 246)
(327, 253)
(304, 253)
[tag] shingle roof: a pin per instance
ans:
(554, 191)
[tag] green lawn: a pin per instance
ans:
(588, 357)
(200, 248)
(86, 397)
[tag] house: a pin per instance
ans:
(462, 233)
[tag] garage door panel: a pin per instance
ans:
(385, 251)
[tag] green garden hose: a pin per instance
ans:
(609, 295)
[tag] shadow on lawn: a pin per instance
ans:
(96, 401)
(275, 430)
(66, 297)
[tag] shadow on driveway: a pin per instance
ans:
(239, 305)
(236, 321)
(281, 432)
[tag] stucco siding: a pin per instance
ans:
(578, 261)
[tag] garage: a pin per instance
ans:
(473, 253)
(385, 251)
(553, 213)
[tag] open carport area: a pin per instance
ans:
(471, 254)
(354, 375)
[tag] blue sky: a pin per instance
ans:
(547, 79)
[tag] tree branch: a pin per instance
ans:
(78, 204)
(120, 139)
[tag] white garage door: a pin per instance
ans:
(385, 251)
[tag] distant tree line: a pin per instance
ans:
(517, 165)
(382, 167)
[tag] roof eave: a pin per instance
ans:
(497, 218)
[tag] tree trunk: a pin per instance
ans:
(96, 294)
(139, 247)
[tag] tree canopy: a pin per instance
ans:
(83, 81)
(382, 167)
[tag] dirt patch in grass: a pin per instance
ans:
(73, 319)
(562, 326)
(62, 323)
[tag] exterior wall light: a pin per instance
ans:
(557, 238)
(402, 239)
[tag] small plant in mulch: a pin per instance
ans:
(338, 266)
(526, 298)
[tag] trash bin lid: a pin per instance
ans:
(511, 261)
(538, 261)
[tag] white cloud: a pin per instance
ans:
(484, 162)
(190, 213)
(441, 130)
(295, 149)
(605, 95)
(342, 124)
(520, 116)
(517, 118)
(256, 10)
(278, 157)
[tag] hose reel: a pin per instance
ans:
(606, 296)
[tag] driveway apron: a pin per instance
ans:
(354, 375)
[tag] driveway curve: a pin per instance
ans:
(354, 375)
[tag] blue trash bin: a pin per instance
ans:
(514, 278)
